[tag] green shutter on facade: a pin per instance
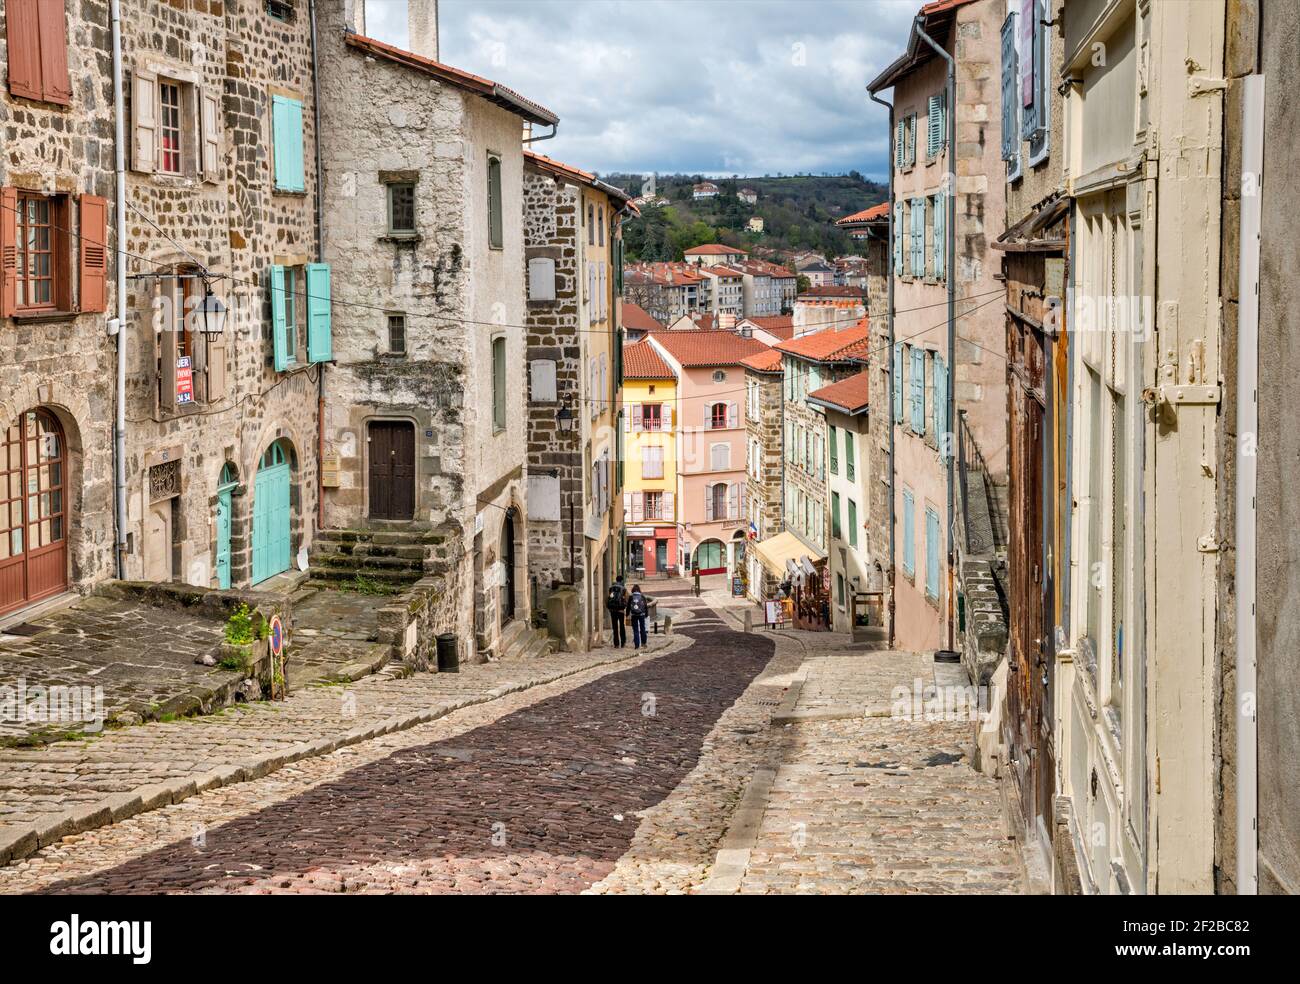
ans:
(848, 454)
(496, 236)
(898, 382)
(935, 125)
(909, 534)
(940, 237)
(835, 515)
(853, 523)
(320, 335)
(918, 237)
(286, 138)
(499, 383)
(941, 425)
(278, 324)
(835, 450)
(898, 240)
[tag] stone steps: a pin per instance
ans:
(393, 558)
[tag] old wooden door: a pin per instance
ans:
(271, 515)
(33, 510)
(392, 470)
(508, 568)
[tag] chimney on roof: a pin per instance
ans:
(422, 28)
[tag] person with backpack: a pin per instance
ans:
(637, 609)
(616, 604)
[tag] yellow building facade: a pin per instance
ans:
(650, 416)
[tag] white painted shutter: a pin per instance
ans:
(144, 121)
(708, 503)
(627, 506)
(210, 130)
(638, 506)
(668, 506)
(733, 414)
(733, 500)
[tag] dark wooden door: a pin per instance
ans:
(508, 563)
(392, 470)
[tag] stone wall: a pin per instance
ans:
(767, 430)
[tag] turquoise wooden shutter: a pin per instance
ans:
(899, 140)
(940, 240)
(286, 137)
(918, 390)
(898, 382)
(909, 534)
(278, 325)
(934, 125)
(931, 553)
(918, 237)
(320, 342)
(941, 406)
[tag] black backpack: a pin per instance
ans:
(615, 600)
(636, 605)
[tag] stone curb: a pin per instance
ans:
(834, 712)
(20, 841)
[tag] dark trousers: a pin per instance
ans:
(620, 627)
(638, 631)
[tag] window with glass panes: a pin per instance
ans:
(37, 269)
(401, 209)
(169, 127)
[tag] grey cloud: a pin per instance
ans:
(714, 86)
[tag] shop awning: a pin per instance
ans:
(776, 550)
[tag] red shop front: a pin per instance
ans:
(651, 550)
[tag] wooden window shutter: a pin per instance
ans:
(627, 505)
(278, 324)
(24, 36)
(215, 368)
(1010, 135)
(496, 231)
(666, 510)
(8, 247)
(144, 121)
(940, 235)
(168, 321)
(898, 382)
(286, 139)
(320, 334)
(93, 275)
(56, 87)
(636, 416)
(708, 503)
(210, 134)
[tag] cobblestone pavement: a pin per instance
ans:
(544, 799)
(140, 655)
(66, 787)
(878, 804)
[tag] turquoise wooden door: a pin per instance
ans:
(271, 515)
(225, 490)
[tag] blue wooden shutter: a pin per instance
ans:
(320, 343)
(909, 534)
(900, 144)
(278, 325)
(936, 129)
(940, 234)
(941, 405)
(1010, 132)
(898, 382)
(1033, 67)
(931, 553)
(898, 239)
(918, 390)
(286, 138)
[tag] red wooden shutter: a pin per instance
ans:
(24, 35)
(55, 85)
(94, 253)
(8, 250)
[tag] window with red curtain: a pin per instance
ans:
(718, 415)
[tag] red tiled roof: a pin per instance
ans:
(561, 169)
(833, 290)
(493, 91)
(702, 347)
(643, 361)
(849, 395)
(714, 249)
(638, 319)
(829, 345)
(769, 360)
(866, 215)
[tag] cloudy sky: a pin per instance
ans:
(745, 87)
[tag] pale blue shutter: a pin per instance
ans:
(900, 140)
(898, 240)
(898, 382)
(918, 237)
(286, 138)
(320, 343)
(1010, 135)
(278, 325)
(940, 234)
(918, 390)
(941, 426)
(909, 534)
(932, 553)
(935, 125)
(1029, 122)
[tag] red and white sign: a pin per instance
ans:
(184, 380)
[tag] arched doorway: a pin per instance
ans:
(508, 567)
(272, 513)
(33, 510)
(711, 557)
(225, 491)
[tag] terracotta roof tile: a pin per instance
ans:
(714, 249)
(866, 215)
(638, 319)
(700, 348)
(768, 360)
(830, 345)
(849, 395)
(643, 361)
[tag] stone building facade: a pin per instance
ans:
(56, 358)
(425, 417)
(763, 459)
(572, 236)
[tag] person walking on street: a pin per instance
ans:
(616, 603)
(637, 609)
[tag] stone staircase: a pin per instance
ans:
(521, 641)
(388, 558)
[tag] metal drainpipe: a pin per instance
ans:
(893, 472)
(119, 412)
(1252, 162)
(950, 196)
(320, 258)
